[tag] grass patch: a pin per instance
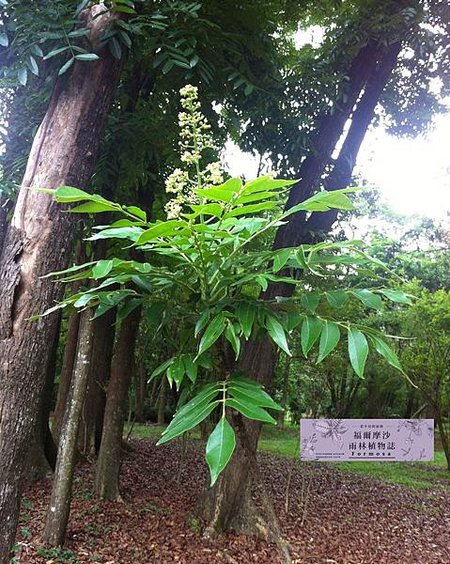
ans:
(140, 431)
(416, 475)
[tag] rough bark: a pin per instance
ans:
(108, 465)
(42, 453)
(59, 509)
(38, 241)
(90, 431)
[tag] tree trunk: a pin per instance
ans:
(38, 241)
(319, 224)
(58, 514)
(42, 453)
(229, 504)
(108, 465)
(162, 401)
(141, 393)
(65, 379)
(90, 431)
(328, 134)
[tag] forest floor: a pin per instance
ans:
(333, 515)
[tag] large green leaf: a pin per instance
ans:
(358, 349)
(220, 448)
(207, 393)
(132, 233)
(181, 424)
(246, 313)
(250, 209)
(310, 332)
(102, 268)
(276, 332)
(310, 301)
(368, 298)
(397, 296)
(329, 338)
(281, 259)
(230, 335)
(69, 194)
(264, 183)
(253, 394)
(212, 333)
(386, 352)
(94, 207)
(160, 229)
(250, 410)
(336, 298)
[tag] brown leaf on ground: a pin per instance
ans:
(332, 517)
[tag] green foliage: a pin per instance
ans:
(207, 273)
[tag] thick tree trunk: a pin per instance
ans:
(91, 426)
(108, 465)
(59, 509)
(42, 453)
(38, 241)
(229, 505)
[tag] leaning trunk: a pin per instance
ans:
(108, 465)
(58, 514)
(38, 241)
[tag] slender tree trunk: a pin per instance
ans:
(108, 465)
(91, 425)
(141, 393)
(319, 224)
(58, 514)
(162, 402)
(65, 379)
(38, 241)
(285, 392)
(328, 134)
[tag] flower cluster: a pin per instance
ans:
(195, 133)
(195, 137)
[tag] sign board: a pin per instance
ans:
(367, 439)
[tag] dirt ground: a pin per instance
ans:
(332, 517)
